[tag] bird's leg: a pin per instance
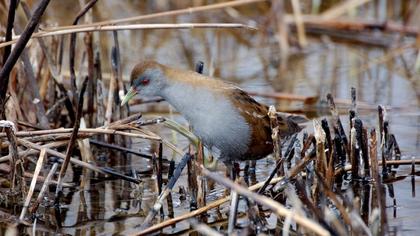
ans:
(234, 197)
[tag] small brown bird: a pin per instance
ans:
(229, 122)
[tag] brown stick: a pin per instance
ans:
(72, 51)
(73, 138)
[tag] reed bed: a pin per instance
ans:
(63, 130)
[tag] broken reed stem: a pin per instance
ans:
(337, 123)
(38, 167)
(43, 190)
(353, 154)
(320, 161)
(275, 136)
(380, 189)
(134, 27)
(13, 152)
(73, 138)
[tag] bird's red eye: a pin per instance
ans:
(145, 81)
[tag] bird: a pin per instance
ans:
(229, 122)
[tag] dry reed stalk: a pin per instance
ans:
(297, 14)
(110, 102)
(133, 27)
(189, 10)
(275, 136)
(101, 130)
(38, 167)
(233, 211)
(329, 153)
(17, 168)
(320, 161)
(339, 130)
(380, 190)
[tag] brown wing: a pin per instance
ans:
(256, 116)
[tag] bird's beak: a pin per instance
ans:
(130, 94)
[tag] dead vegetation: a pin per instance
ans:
(63, 130)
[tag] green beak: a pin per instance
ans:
(130, 94)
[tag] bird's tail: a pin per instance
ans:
(290, 124)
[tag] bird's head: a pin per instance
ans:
(147, 78)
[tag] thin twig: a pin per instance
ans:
(188, 10)
(41, 158)
(134, 27)
(47, 182)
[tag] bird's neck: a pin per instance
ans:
(183, 96)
